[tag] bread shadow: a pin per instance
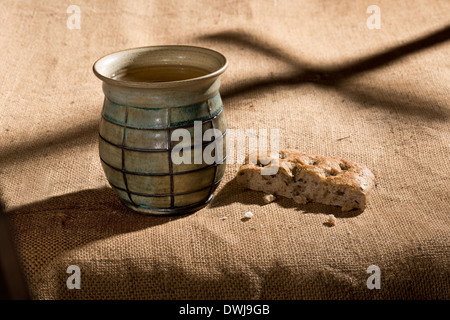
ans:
(232, 192)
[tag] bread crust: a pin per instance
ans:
(308, 178)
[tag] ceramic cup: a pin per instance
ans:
(162, 104)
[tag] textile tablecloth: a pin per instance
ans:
(323, 73)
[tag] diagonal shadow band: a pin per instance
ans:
(388, 56)
(332, 74)
(306, 72)
(58, 140)
(302, 73)
(410, 105)
(335, 76)
(243, 38)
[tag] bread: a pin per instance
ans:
(308, 178)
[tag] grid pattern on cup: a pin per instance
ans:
(214, 108)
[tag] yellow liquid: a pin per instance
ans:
(162, 73)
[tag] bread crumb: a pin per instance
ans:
(331, 220)
(223, 218)
(268, 198)
(248, 215)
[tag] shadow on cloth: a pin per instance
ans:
(50, 227)
(59, 140)
(302, 72)
(232, 192)
(86, 206)
(336, 76)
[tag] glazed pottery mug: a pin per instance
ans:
(162, 129)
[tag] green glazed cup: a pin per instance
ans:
(146, 127)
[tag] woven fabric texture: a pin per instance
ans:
(311, 69)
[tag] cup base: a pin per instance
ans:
(169, 211)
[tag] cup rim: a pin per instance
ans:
(162, 84)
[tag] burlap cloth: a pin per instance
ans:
(313, 70)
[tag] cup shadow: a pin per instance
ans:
(232, 192)
(46, 229)
(96, 204)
